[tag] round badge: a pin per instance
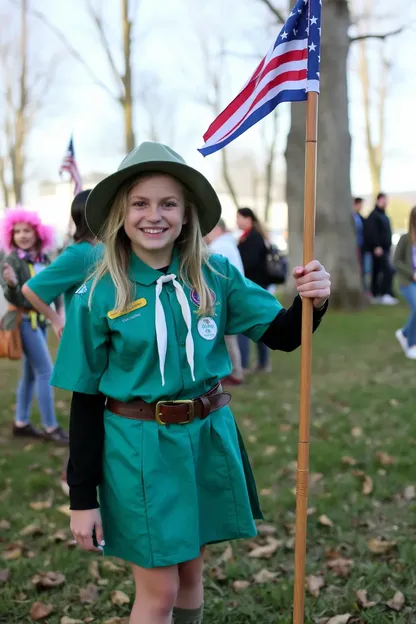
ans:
(207, 328)
(195, 297)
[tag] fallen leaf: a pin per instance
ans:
(356, 432)
(266, 492)
(240, 585)
(117, 620)
(266, 551)
(119, 598)
(397, 602)
(325, 521)
(59, 536)
(39, 611)
(4, 525)
(61, 405)
(64, 509)
(41, 505)
(349, 460)
(30, 554)
(363, 600)
(340, 567)
(68, 620)
(314, 584)
(380, 547)
(89, 595)
(284, 428)
(368, 485)
(34, 467)
(270, 450)
(315, 478)
(227, 555)
(394, 402)
(252, 439)
(12, 553)
(111, 567)
(4, 575)
(385, 459)
(311, 511)
(31, 530)
(46, 580)
(20, 597)
(103, 582)
(409, 493)
(264, 576)
(340, 619)
(266, 529)
(218, 574)
(94, 571)
(28, 448)
(48, 471)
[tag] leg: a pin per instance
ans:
(263, 356)
(374, 276)
(40, 360)
(156, 591)
(244, 345)
(235, 356)
(410, 330)
(26, 385)
(189, 603)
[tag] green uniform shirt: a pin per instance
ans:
(117, 355)
(66, 273)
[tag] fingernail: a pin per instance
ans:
(102, 543)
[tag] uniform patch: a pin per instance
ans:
(136, 305)
(207, 328)
(195, 297)
(82, 289)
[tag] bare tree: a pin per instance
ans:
(121, 91)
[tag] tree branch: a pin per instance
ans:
(380, 36)
(278, 15)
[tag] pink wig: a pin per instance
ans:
(45, 233)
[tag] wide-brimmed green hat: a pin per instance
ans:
(158, 158)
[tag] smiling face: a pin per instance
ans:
(155, 217)
(24, 236)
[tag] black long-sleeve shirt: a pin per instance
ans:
(87, 434)
(378, 230)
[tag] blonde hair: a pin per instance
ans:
(192, 250)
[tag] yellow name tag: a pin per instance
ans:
(139, 303)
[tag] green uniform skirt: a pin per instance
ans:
(168, 490)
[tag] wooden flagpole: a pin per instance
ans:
(306, 362)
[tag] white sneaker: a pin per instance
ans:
(389, 300)
(402, 340)
(411, 353)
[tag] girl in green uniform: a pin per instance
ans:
(143, 352)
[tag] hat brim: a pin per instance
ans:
(102, 197)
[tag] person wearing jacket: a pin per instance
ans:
(25, 238)
(379, 239)
(222, 242)
(405, 265)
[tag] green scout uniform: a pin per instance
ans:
(66, 273)
(166, 490)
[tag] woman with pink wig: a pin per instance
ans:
(25, 238)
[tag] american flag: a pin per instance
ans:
(69, 164)
(287, 73)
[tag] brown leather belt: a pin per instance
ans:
(179, 412)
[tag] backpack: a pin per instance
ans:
(276, 265)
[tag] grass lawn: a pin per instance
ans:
(362, 524)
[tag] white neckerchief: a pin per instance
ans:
(161, 329)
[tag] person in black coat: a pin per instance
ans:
(379, 240)
(253, 250)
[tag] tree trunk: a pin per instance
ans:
(18, 159)
(335, 233)
(271, 157)
(3, 183)
(127, 100)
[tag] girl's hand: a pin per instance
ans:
(313, 282)
(82, 525)
(9, 275)
(58, 328)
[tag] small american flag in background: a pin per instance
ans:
(288, 71)
(69, 164)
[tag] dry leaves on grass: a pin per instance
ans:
(363, 600)
(89, 595)
(385, 459)
(340, 619)
(380, 547)
(409, 493)
(350, 461)
(117, 620)
(40, 611)
(340, 567)
(47, 580)
(270, 450)
(111, 567)
(397, 602)
(264, 576)
(357, 432)
(4, 525)
(94, 571)
(266, 551)
(368, 485)
(266, 529)
(119, 598)
(4, 575)
(32, 530)
(41, 505)
(68, 620)
(227, 555)
(325, 521)
(314, 584)
(239, 586)
(12, 552)
(64, 509)
(59, 536)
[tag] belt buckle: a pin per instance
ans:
(191, 411)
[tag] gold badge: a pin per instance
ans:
(139, 303)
